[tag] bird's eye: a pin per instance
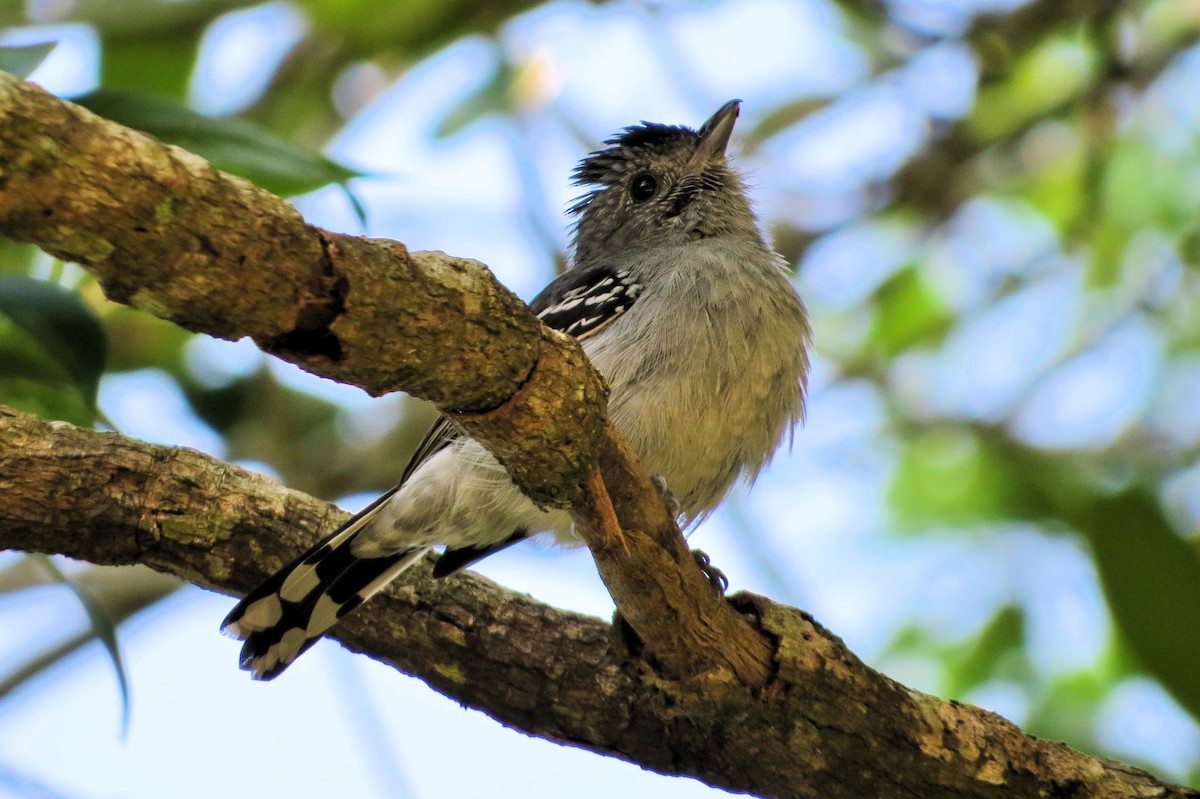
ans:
(643, 188)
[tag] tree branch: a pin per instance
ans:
(825, 725)
(164, 231)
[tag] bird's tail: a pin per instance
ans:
(288, 613)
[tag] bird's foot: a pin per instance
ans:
(664, 491)
(716, 577)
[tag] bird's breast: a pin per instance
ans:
(707, 372)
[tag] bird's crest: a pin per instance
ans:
(646, 137)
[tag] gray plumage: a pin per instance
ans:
(681, 305)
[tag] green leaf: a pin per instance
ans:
(909, 311)
(998, 650)
(63, 326)
(104, 629)
(1189, 247)
(231, 144)
(159, 62)
(47, 399)
(24, 59)
(782, 117)
(22, 357)
(139, 340)
(1151, 578)
(21, 574)
(1058, 69)
(1067, 708)
(356, 205)
(1056, 183)
(34, 381)
(493, 97)
(407, 27)
(960, 476)
(17, 258)
(145, 18)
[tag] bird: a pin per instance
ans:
(685, 309)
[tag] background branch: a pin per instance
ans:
(825, 725)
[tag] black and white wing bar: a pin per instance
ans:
(578, 302)
(581, 302)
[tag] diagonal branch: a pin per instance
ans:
(164, 231)
(825, 725)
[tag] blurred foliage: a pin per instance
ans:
(21, 61)
(234, 145)
(104, 627)
(1072, 142)
(51, 322)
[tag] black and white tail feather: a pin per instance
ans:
(290, 612)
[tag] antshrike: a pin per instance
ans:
(681, 305)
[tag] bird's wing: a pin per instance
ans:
(579, 302)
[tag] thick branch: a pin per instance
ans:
(648, 559)
(164, 231)
(825, 725)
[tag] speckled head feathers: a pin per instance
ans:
(646, 138)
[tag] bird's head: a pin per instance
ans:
(658, 185)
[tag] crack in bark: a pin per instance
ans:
(322, 301)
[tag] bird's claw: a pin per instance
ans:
(664, 491)
(716, 577)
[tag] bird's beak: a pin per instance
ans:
(714, 136)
